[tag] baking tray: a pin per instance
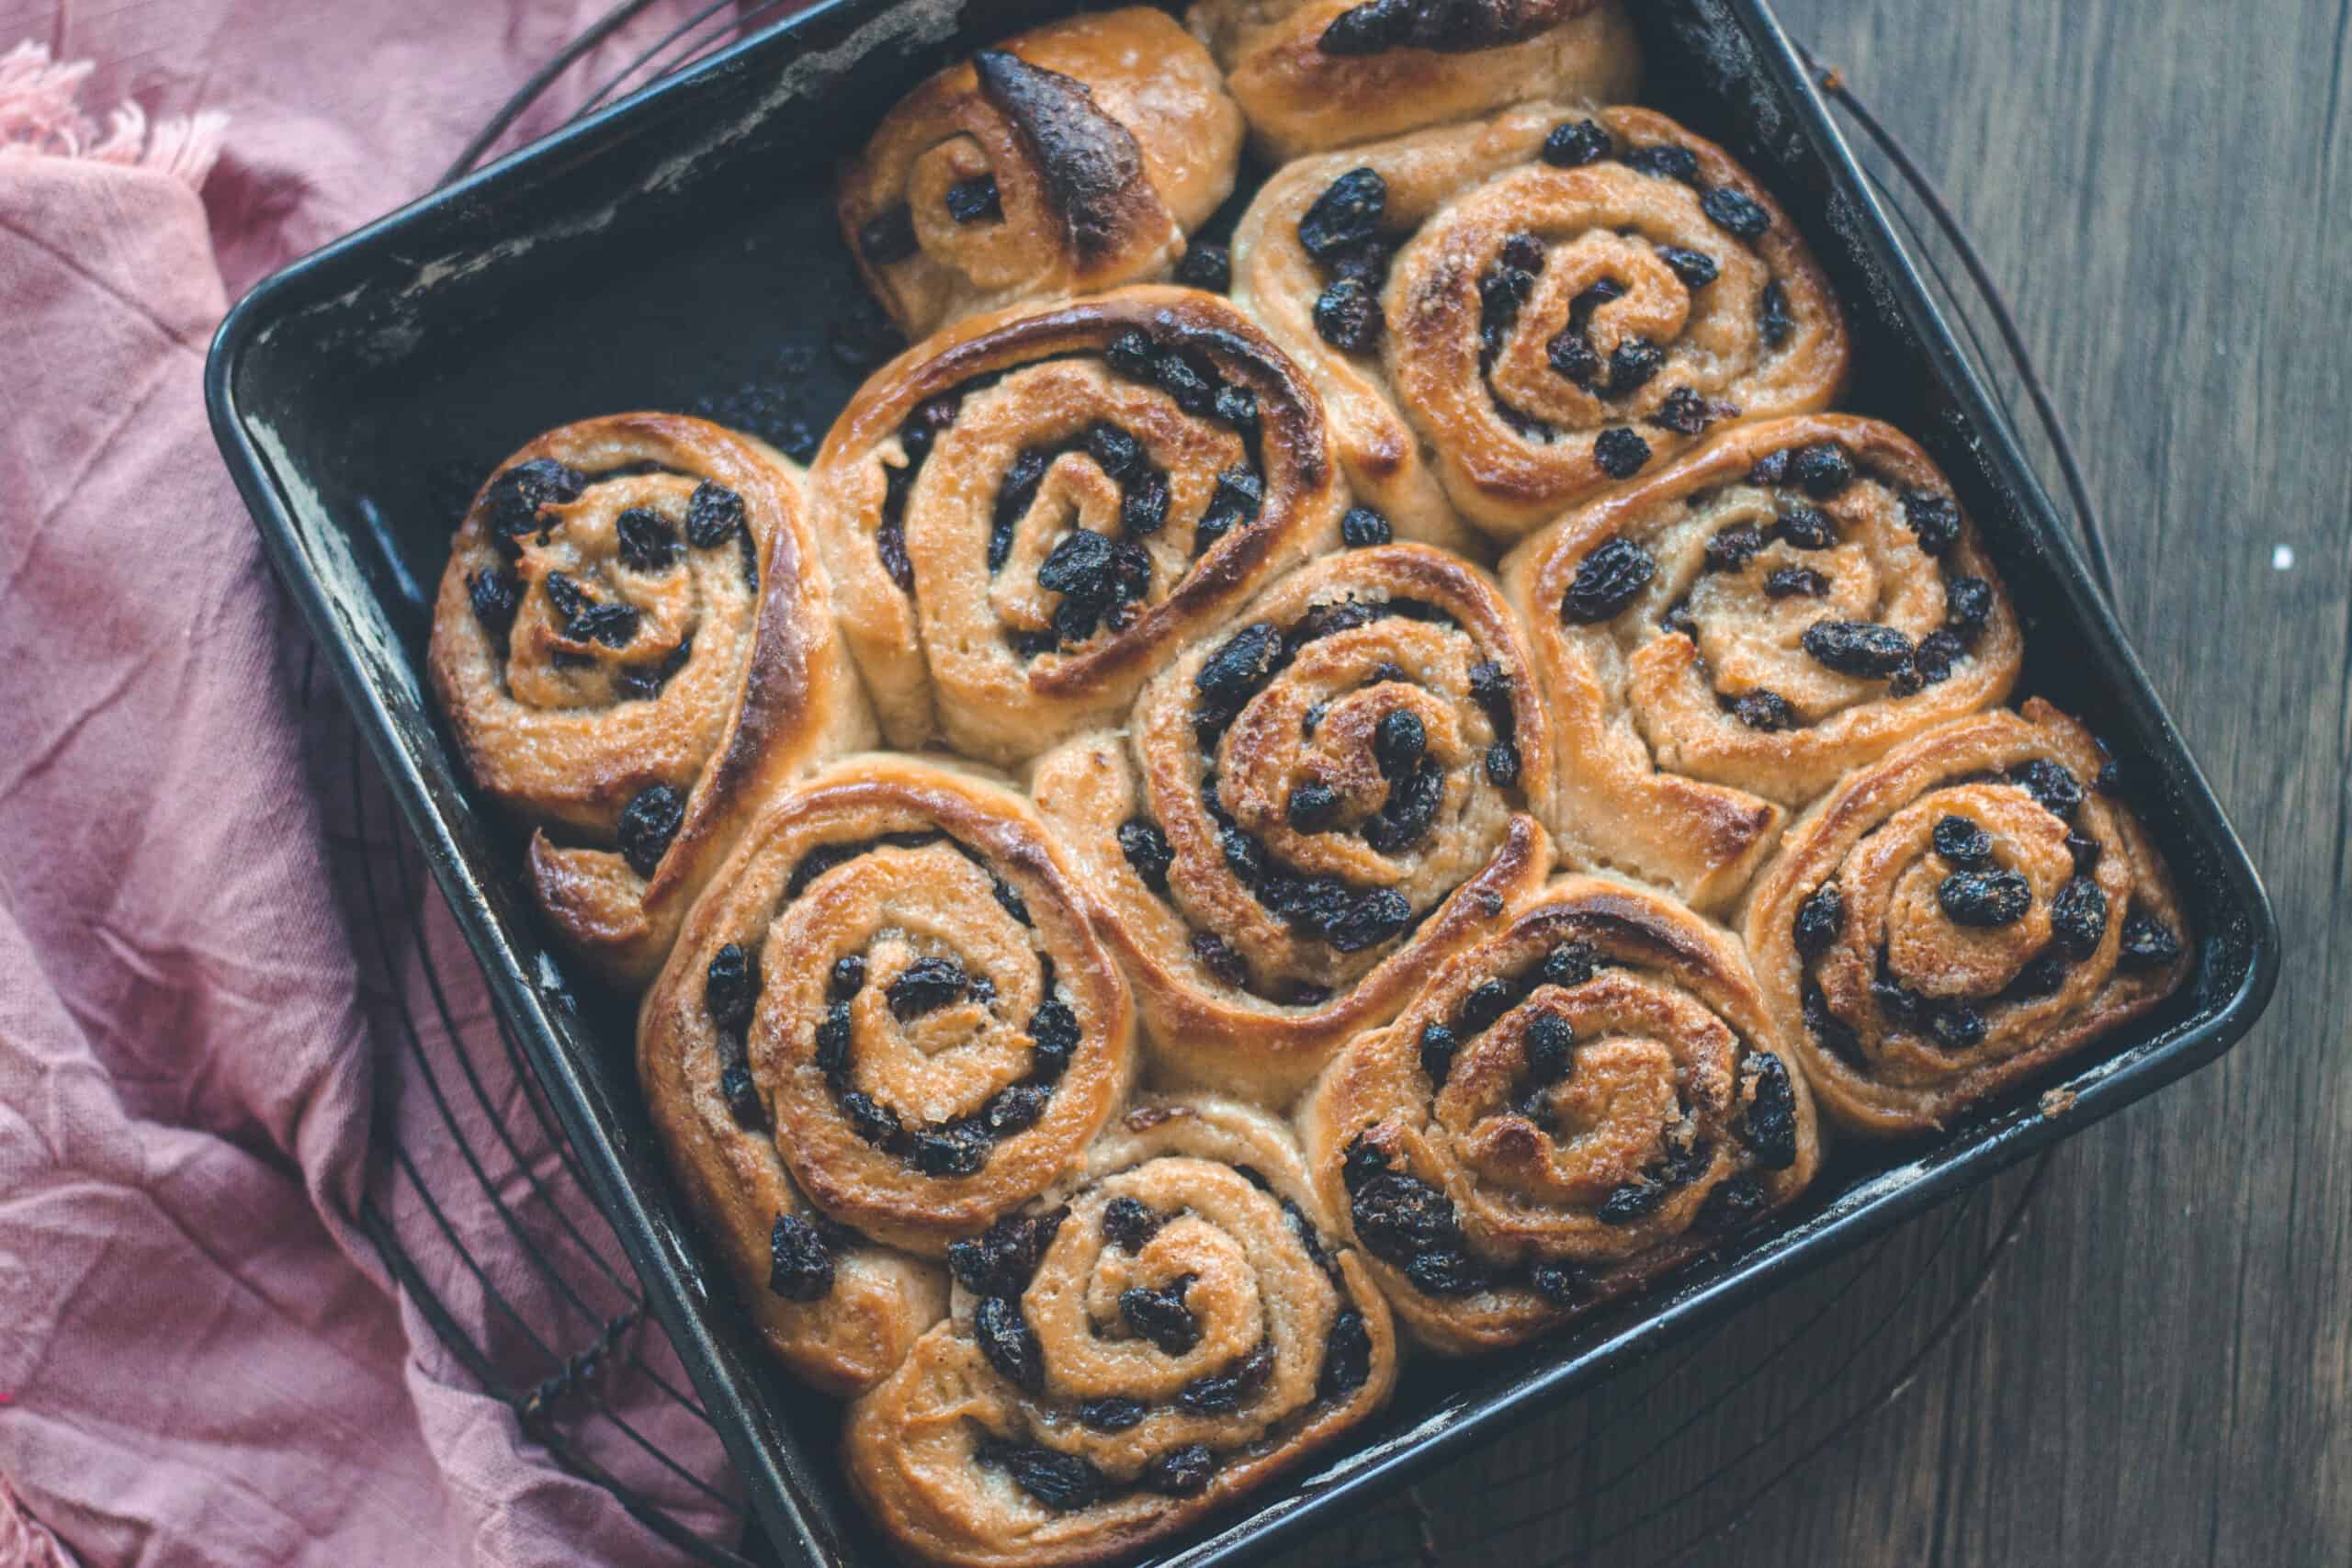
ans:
(678, 250)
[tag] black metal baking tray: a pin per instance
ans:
(678, 252)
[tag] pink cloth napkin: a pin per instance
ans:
(202, 1359)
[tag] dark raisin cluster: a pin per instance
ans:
(1342, 232)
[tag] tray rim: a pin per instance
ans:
(1868, 1210)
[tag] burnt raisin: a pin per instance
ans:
(651, 822)
(1857, 647)
(2146, 943)
(1934, 519)
(1607, 580)
(1817, 920)
(1348, 214)
(713, 513)
(1985, 898)
(495, 596)
(731, 987)
(1570, 964)
(926, 986)
(1773, 1116)
(2078, 916)
(1311, 806)
(801, 1266)
(1576, 142)
(1695, 268)
(1148, 851)
(1730, 549)
(1371, 921)
(1063, 1482)
(1968, 604)
(1794, 581)
(2059, 792)
(1962, 843)
(1620, 452)
(1205, 265)
(888, 237)
(1182, 1472)
(1219, 959)
(1128, 1223)
(1774, 324)
(1740, 213)
(1162, 1315)
(1764, 710)
(1634, 1200)
(1438, 1046)
(1348, 316)
(511, 502)
(1664, 161)
(1347, 1357)
(1363, 527)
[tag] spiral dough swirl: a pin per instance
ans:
(886, 1025)
(1309, 809)
(1589, 1097)
(632, 645)
(1185, 1325)
(1515, 315)
(1969, 910)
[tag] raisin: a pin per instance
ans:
(1348, 214)
(613, 625)
(713, 513)
(1363, 527)
(1736, 211)
(1148, 851)
(1934, 519)
(1438, 1046)
(1398, 1216)
(1131, 354)
(1063, 1482)
(1162, 1315)
(949, 1152)
(1231, 675)
(2078, 916)
(1774, 324)
(1607, 580)
(1634, 365)
(1398, 742)
(1664, 161)
(1620, 452)
(1448, 1271)
(511, 502)
(1523, 253)
(1576, 142)
(1503, 765)
(1968, 604)
(651, 822)
(1549, 1046)
(1014, 1109)
(1076, 564)
(1857, 647)
(1182, 1472)
(1128, 1223)
(1562, 1285)
(1764, 710)
(2058, 791)
(1732, 1205)
(871, 1120)
(923, 426)
(1347, 1356)
(1957, 1027)
(1373, 920)
(1348, 316)
(1985, 898)
(1111, 1413)
(801, 1266)
(890, 548)
(1220, 1392)
(832, 1045)
(1936, 653)
(1730, 549)
(495, 596)
(1327, 620)
(1001, 1259)
(1822, 468)
(731, 987)
(1684, 412)
(1574, 358)
(1205, 265)
(926, 986)
(1805, 528)
(1900, 1003)
(1486, 1003)
(1143, 509)
(1817, 920)
(1114, 451)
(1053, 1038)
(1219, 959)
(1836, 1036)
(1773, 1116)
(1311, 806)
(2146, 943)
(1634, 1201)
(1237, 406)
(1408, 813)
(1244, 856)
(888, 237)
(971, 201)
(1176, 376)
(1695, 268)
(2085, 851)
(743, 1096)
(1238, 494)
(645, 681)
(1962, 843)
(1794, 581)
(1570, 964)
(2040, 977)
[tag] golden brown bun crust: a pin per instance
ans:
(1683, 1119)
(1903, 1017)
(1301, 97)
(721, 670)
(1428, 417)
(1110, 138)
(935, 1451)
(1233, 994)
(1660, 777)
(948, 651)
(891, 865)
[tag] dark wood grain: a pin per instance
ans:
(2159, 1370)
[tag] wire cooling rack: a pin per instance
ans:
(554, 1301)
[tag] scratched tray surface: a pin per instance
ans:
(678, 251)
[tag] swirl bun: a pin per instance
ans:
(1591, 1095)
(1313, 75)
(1515, 315)
(1183, 1327)
(1024, 513)
(1729, 636)
(1308, 808)
(632, 645)
(886, 1025)
(1970, 909)
(1066, 160)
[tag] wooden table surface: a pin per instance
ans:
(2159, 1368)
